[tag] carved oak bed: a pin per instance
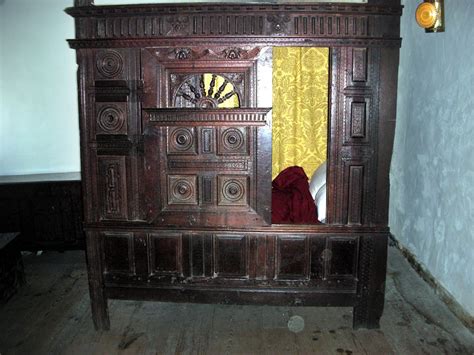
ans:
(177, 191)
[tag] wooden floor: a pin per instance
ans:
(51, 315)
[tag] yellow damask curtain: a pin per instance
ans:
(300, 108)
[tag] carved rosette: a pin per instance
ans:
(182, 53)
(109, 64)
(278, 23)
(179, 25)
(232, 53)
(111, 120)
(182, 190)
(181, 141)
(232, 191)
(233, 141)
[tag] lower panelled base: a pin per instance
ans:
(225, 267)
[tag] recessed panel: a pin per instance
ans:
(356, 123)
(118, 252)
(356, 186)
(232, 190)
(112, 187)
(344, 252)
(232, 141)
(110, 64)
(230, 255)
(182, 190)
(207, 140)
(165, 253)
(181, 140)
(111, 118)
(359, 65)
(358, 119)
(293, 258)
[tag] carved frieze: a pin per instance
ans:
(278, 23)
(215, 53)
(180, 116)
(179, 25)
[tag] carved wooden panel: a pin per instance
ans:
(233, 190)
(356, 191)
(207, 140)
(292, 258)
(193, 90)
(233, 141)
(357, 121)
(111, 64)
(113, 187)
(209, 169)
(360, 70)
(118, 252)
(359, 64)
(182, 190)
(111, 118)
(181, 140)
(208, 193)
(231, 256)
(165, 253)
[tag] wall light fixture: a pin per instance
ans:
(430, 15)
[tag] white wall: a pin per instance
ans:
(38, 109)
(432, 175)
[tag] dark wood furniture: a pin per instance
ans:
(12, 274)
(177, 192)
(45, 208)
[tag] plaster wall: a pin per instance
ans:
(38, 103)
(432, 173)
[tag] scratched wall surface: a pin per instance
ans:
(432, 173)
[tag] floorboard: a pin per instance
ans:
(51, 315)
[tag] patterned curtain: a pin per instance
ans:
(300, 108)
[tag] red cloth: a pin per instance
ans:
(291, 200)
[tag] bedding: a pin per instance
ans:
(291, 199)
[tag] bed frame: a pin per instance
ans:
(177, 199)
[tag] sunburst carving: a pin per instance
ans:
(207, 91)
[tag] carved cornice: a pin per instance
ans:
(156, 9)
(280, 41)
(223, 22)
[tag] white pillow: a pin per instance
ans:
(317, 188)
(320, 202)
(317, 180)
